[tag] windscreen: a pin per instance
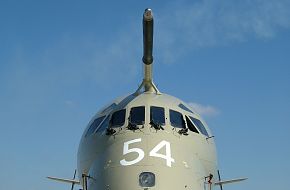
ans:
(157, 115)
(190, 125)
(176, 119)
(137, 115)
(94, 125)
(199, 125)
(104, 125)
(118, 118)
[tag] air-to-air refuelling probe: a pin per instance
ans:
(147, 140)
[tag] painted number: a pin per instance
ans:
(167, 156)
(153, 152)
(126, 150)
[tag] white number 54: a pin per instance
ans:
(153, 152)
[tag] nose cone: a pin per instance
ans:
(145, 162)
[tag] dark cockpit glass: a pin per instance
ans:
(118, 118)
(94, 125)
(137, 115)
(157, 115)
(199, 125)
(184, 108)
(176, 119)
(190, 125)
(104, 125)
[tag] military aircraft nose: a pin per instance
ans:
(143, 161)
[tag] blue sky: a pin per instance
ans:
(60, 61)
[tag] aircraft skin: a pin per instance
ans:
(147, 140)
(191, 158)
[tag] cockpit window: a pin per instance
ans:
(176, 119)
(190, 125)
(157, 115)
(94, 125)
(184, 108)
(137, 115)
(199, 125)
(118, 118)
(104, 125)
(110, 107)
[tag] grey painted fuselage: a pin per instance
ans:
(180, 162)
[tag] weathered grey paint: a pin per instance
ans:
(99, 155)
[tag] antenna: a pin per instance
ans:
(219, 175)
(147, 37)
(73, 184)
(147, 59)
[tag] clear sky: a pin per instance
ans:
(60, 61)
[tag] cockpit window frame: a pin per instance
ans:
(109, 108)
(190, 125)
